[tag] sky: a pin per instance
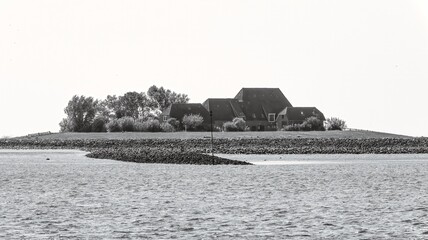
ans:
(364, 61)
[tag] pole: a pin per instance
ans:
(212, 138)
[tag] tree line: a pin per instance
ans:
(86, 114)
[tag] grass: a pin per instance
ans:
(231, 135)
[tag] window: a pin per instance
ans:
(165, 118)
(271, 117)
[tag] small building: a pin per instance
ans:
(297, 115)
(178, 110)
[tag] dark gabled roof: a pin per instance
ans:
(178, 110)
(257, 103)
(301, 113)
(224, 109)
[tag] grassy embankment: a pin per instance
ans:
(221, 135)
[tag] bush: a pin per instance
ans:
(313, 124)
(310, 124)
(293, 127)
(127, 124)
(230, 127)
(147, 115)
(192, 121)
(151, 125)
(174, 122)
(138, 126)
(240, 124)
(99, 124)
(166, 127)
(335, 124)
(114, 126)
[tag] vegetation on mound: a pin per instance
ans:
(237, 124)
(131, 112)
(335, 124)
(310, 124)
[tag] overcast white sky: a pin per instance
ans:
(365, 61)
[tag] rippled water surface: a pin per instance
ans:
(290, 197)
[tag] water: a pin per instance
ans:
(291, 197)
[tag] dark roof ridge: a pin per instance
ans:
(185, 103)
(260, 88)
(221, 99)
(301, 107)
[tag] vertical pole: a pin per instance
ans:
(212, 138)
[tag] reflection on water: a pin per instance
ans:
(331, 197)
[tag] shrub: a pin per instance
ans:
(174, 122)
(313, 124)
(192, 121)
(310, 124)
(293, 127)
(114, 126)
(151, 125)
(147, 115)
(138, 126)
(127, 124)
(230, 127)
(240, 124)
(99, 124)
(335, 124)
(166, 127)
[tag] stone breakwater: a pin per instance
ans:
(141, 155)
(235, 146)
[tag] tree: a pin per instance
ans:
(134, 104)
(80, 114)
(131, 104)
(104, 110)
(162, 97)
(192, 121)
(335, 124)
(64, 125)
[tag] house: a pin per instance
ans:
(223, 110)
(297, 115)
(261, 108)
(178, 110)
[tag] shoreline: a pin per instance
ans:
(236, 146)
(195, 151)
